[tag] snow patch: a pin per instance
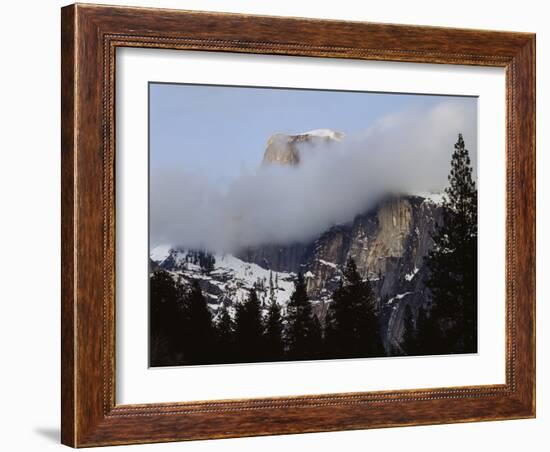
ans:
(398, 297)
(411, 275)
(435, 198)
(325, 133)
(160, 252)
(329, 264)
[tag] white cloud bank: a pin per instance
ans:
(408, 152)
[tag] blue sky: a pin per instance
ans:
(221, 130)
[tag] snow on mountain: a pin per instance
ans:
(226, 279)
(436, 198)
(398, 297)
(412, 274)
(325, 133)
(285, 149)
(329, 264)
(159, 253)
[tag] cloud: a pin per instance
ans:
(408, 152)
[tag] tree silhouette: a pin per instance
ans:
(300, 337)
(330, 336)
(352, 323)
(249, 329)
(316, 338)
(273, 335)
(165, 319)
(198, 329)
(225, 337)
(409, 345)
(428, 335)
(453, 259)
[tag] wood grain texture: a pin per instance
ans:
(67, 224)
(90, 36)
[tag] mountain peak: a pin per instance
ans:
(284, 149)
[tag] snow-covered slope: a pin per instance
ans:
(160, 253)
(228, 281)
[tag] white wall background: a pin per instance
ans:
(29, 229)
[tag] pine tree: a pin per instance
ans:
(428, 335)
(273, 334)
(409, 339)
(453, 259)
(272, 297)
(352, 325)
(299, 332)
(225, 337)
(199, 333)
(249, 329)
(330, 332)
(316, 338)
(165, 319)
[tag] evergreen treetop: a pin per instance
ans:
(299, 337)
(352, 325)
(273, 333)
(197, 327)
(453, 260)
(249, 328)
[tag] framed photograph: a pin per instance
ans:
(281, 225)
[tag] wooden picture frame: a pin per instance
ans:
(90, 36)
